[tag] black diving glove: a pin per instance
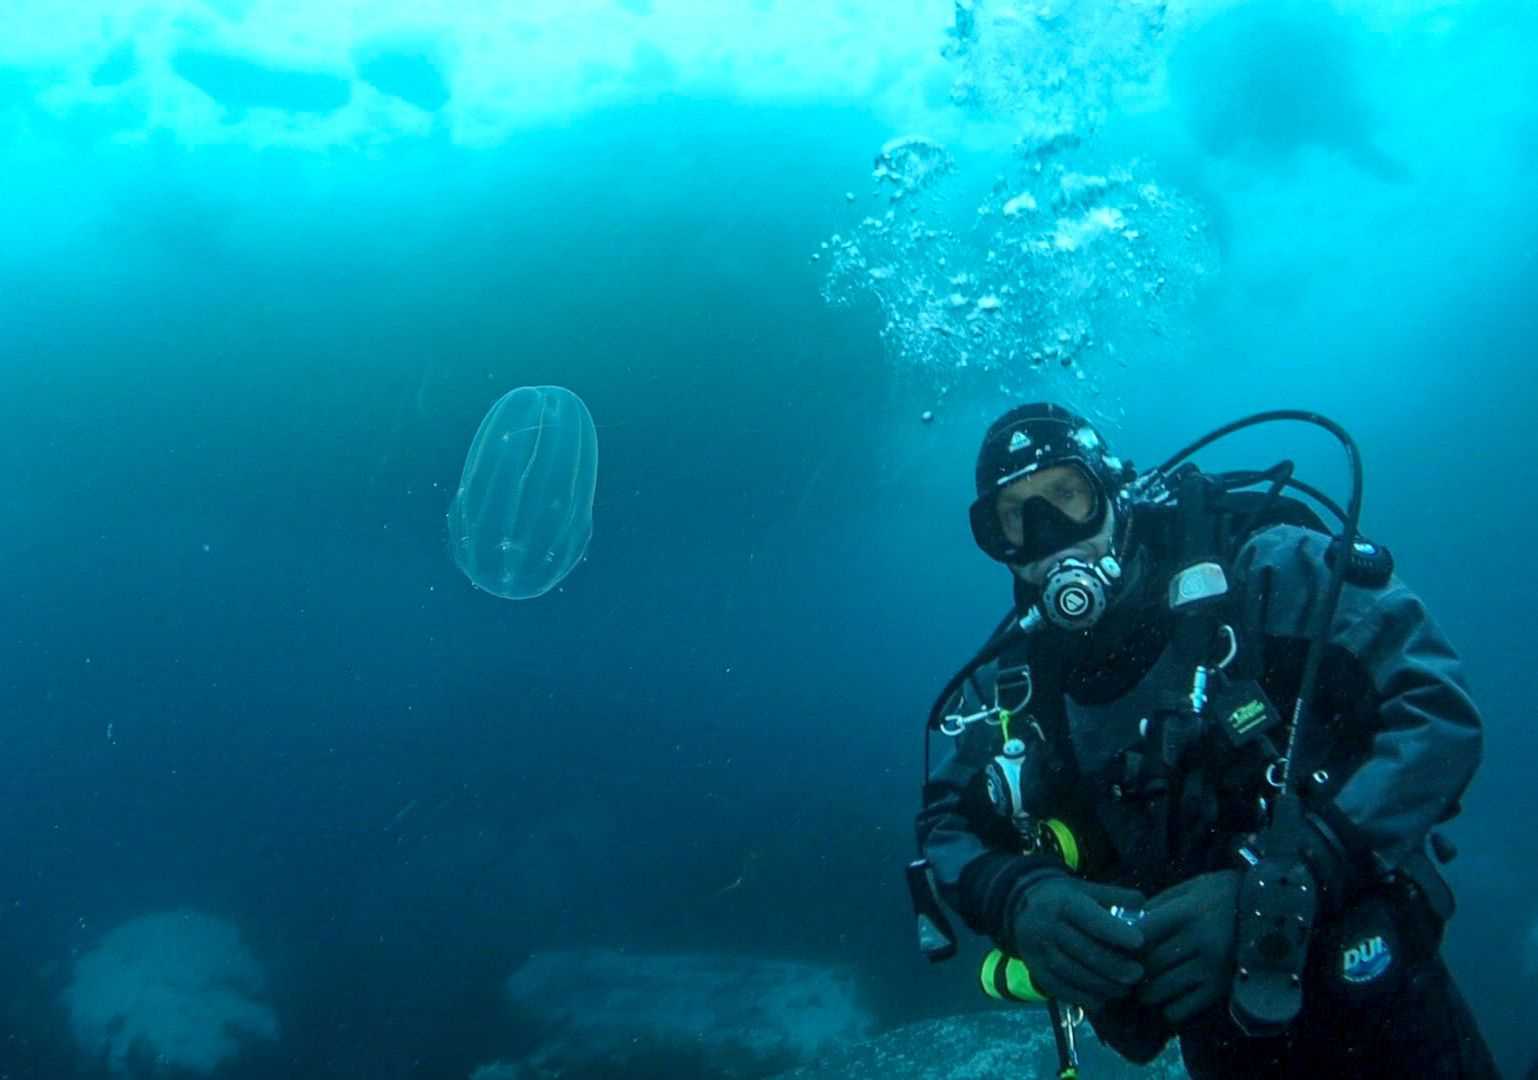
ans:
(1191, 934)
(1074, 948)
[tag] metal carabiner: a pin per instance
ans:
(955, 723)
(1233, 646)
(993, 715)
(1011, 678)
(1063, 1024)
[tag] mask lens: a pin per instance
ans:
(1037, 512)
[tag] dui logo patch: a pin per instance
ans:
(1366, 961)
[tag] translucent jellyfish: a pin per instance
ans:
(523, 514)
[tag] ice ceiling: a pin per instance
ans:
(312, 73)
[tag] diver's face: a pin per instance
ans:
(1070, 491)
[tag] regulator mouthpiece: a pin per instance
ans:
(1076, 593)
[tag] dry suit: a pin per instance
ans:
(1393, 742)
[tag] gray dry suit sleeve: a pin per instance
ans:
(975, 866)
(1425, 739)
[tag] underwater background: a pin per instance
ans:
(265, 266)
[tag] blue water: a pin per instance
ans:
(246, 677)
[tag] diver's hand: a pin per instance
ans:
(1075, 949)
(1191, 933)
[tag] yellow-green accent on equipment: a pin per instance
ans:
(1061, 837)
(1005, 978)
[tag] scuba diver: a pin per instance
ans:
(1193, 774)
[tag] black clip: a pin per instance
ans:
(937, 941)
(1244, 712)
